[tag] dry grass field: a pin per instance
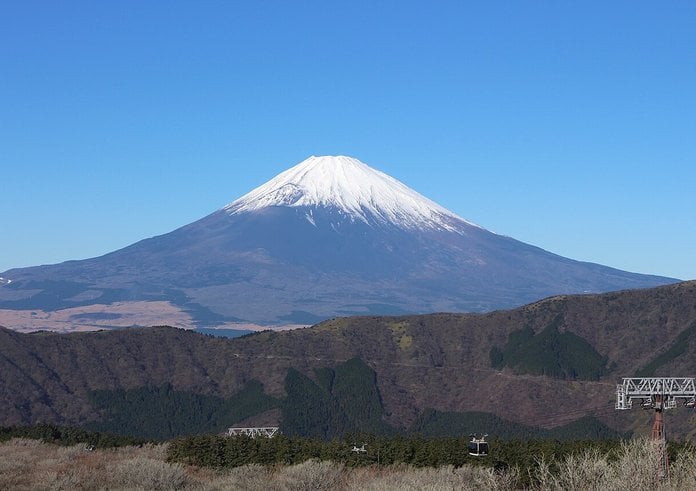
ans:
(114, 315)
(30, 464)
(97, 316)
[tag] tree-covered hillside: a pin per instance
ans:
(546, 364)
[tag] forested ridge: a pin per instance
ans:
(340, 400)
(546, 364)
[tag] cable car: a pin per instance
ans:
(647, 404)
(357, 449)
(478, 447)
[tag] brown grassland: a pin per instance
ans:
(31, 464)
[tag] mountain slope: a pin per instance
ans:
(330, 236)
(438, 361)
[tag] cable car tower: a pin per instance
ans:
(658, 393)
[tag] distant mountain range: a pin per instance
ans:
(552, 363)
(329, 237)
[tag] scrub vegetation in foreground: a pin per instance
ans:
(34, 464)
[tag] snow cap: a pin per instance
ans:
(354, 188)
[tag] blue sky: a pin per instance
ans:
(567, 125)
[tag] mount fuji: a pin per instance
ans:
(329, 237)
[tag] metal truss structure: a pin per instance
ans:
(253, 432)
(647, 390)
(658, 393)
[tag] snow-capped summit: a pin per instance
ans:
(328, 237)
(351, 187)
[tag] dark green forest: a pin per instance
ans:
(64, 435)
(344, 399)
(678, 347)
(553, 353)
(162, 412)
(334, 402)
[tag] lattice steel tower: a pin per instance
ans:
(658, 393)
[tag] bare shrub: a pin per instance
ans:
(13, 457)
(147, 473)
(24, 463)
(403, 477)
(683, 471)
(581, 472)
(151, 450)
(29, 464)
(24, 442)
(487, 478)
(311, 474)
(411, 479)
(61, 481)
(250, 477)
(636, 466)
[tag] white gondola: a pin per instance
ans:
(478, 446)
(357, 449)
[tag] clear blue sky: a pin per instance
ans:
(568, 125)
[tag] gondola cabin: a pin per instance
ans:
(478, 447)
